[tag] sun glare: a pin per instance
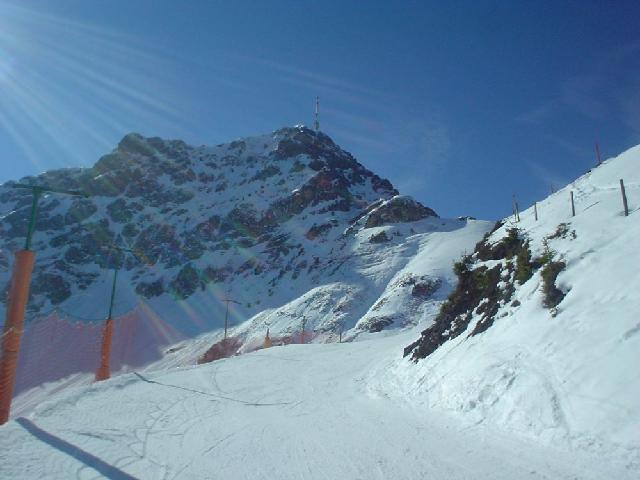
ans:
(6, 65)
(75, 81)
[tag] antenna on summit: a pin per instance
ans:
(317, 122)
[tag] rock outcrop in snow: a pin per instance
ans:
(399, 209)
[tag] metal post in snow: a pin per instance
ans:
(226, 315)
(304, 325)
(267, 340)
(624, 199)
(12, 332)
(104, 372)
(573, 206)
(32, 218)
(226, 320)
(113, 292)
(535, 210)
(17, 302)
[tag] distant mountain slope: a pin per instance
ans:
(542, 334)
(262, 220)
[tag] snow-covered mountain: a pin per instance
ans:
(288, 225)
(519, 359)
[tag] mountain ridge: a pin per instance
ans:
(251, 203)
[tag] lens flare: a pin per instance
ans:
(6, 65)
(69, 90)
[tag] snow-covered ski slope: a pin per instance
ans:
(535, 396)
(294, 412)
(373, 282)
(574, 376)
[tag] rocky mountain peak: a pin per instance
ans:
(201, 215)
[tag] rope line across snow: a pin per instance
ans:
(209, 394)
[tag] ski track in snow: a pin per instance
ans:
(294, 412)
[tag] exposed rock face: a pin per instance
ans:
(379, 237)
(377, 324)
(317, 230)
(197, 216)
(399, 209)
(186, 282)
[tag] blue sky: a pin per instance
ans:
(460, 104)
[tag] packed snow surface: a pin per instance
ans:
(569, 373)
(292, 412)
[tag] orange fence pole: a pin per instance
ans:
(14, 322)
(103, 372)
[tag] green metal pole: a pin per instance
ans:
(32, 218)
(226, 321)
(113, 292)
(304, 325)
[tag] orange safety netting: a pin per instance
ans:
(56, 346)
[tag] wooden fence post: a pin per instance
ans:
(535, 210)
(573, 206)
(624, 199)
